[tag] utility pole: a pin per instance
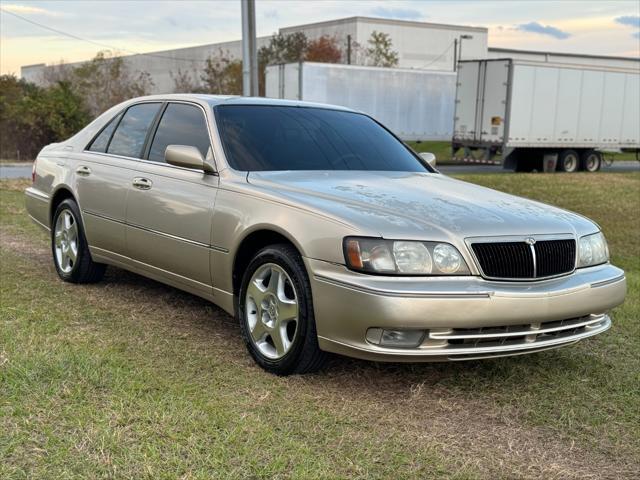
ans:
(348, 49)
(455, 55)
(459, 46)
(249, 49)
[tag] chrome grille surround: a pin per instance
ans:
(489, 342)
(530, 257)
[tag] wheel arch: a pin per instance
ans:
(62, 193)
(254, 240)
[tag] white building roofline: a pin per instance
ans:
(506, 51)
(386, 21)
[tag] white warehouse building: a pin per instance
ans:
(420, 45)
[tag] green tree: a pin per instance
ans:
(32, 117)
(185, 82)
(282, 48)
(380, 52)
(102, 82)
(222, 75)
(106, 81)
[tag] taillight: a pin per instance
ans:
(33, 172)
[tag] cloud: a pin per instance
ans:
(27, 10)
(535, 27)
(273, 14)
(629, 20)
(400, 13)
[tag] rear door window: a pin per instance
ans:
(181, 124)
(101, 141)
(128, 139)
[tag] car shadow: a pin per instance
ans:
(477, 377)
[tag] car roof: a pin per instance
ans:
(214, 100)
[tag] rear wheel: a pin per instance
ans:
(275, 311)
(568, 161)
(71, 255)
(591, 161)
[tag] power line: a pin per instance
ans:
(111, 47)
(439, 56)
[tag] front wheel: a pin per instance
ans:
(71, 254)
(275, 312)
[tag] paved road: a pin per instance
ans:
(616, 167)
(24, 171)
(12, 170)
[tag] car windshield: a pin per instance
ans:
(261, 138)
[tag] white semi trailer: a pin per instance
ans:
(546, 116)
(414, 104)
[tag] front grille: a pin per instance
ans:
(555, 257)
(520, 260)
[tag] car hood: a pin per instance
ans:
(426, 206)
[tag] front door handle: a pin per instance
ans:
(83, 170)
(142, 183)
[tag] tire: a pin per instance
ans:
(568, 161)
(69, 248)
(280, 337)
(591, 161)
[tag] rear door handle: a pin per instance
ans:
(83, 170)
(142, 183)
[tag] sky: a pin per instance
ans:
(599, 27)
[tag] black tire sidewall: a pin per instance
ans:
(72, 207)
(585, 161)
(295, 269)
(563, 157)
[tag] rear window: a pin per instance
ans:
(259, 138)
(131, 133)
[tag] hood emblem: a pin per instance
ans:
(529, 240)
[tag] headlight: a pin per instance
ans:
(593, 250)
(399, 257)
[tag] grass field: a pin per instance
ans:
(132, 379)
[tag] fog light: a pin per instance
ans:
(395, 338)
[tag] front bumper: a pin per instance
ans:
(465, 317)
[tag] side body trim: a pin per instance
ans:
(386, 293)
(167, 235)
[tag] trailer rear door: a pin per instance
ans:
(467, 99)
(494, 101)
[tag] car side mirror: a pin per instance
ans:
(429, 157)
(188, 157)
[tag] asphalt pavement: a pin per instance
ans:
(23, 170)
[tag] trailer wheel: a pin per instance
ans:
(591, 161)
(568, 161)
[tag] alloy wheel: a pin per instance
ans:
(66, 241)
(271, 311)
